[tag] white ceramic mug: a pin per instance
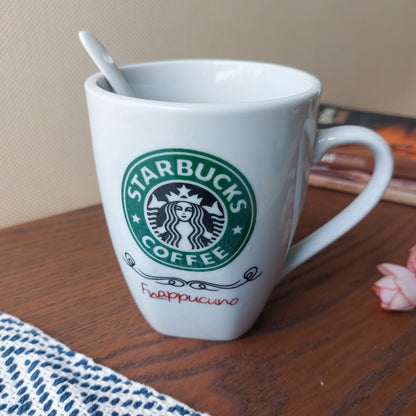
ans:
(203, 177)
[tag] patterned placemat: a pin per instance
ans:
(39, 376)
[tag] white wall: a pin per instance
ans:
(363, 51)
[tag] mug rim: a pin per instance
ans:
(92, 86)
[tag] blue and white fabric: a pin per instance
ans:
(40, 376)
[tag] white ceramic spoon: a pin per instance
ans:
(105, 63)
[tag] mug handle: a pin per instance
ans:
(360, 206)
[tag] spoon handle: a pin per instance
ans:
(105, 63)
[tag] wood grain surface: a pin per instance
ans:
(322, 345)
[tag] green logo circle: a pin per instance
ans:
(187, 209)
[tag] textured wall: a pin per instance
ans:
(362, 51)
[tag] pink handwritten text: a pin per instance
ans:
(183, 297)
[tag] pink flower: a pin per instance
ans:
(411, 261)
(397, 289)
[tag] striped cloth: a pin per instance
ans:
(40, 376)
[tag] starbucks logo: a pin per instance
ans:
(187, 209)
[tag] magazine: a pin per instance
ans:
(348, 168)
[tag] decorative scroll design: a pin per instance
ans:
(251, 274)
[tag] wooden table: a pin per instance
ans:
(321, 347)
